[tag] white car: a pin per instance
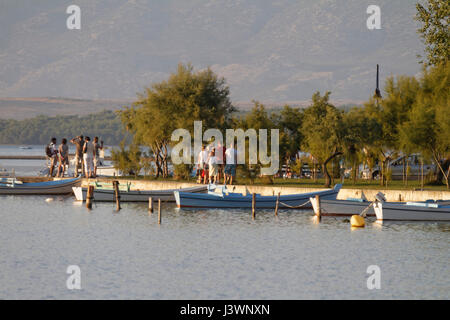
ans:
(396, 167)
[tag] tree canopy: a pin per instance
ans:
(434, 15)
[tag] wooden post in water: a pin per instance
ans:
(276, 205)
(150, 205)
(89, 196)
(159, 211)
(319, 210)
(253, 205)
(117, 194)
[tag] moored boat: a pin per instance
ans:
(15, 187)
(412, 211)
(127, 195)
(343, 208)
(225, 199)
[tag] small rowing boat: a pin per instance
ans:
(224, 199)
(350, 207)
(103, 193)
(412, 211)
(343, 208)
(11, 186)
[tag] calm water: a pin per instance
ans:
(211, 254)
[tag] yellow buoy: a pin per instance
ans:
(357, 222)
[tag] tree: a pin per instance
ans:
(435, 30)
(427, 129)
(363, 133)
(290, 123)
(323, 132)
(187, 96)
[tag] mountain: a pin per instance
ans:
(272, 51)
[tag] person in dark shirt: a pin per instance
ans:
(63, 151)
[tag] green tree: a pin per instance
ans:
(323, 131)
(434, 16)
(187, 96)
(427, 129)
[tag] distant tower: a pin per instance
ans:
(377, 90)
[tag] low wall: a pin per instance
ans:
(391, 195)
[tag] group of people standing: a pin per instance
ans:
(211, 165)
(87, 156)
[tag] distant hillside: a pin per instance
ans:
(25, 108)
(39, 130)
(269, 50)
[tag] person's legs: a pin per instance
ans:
(77, 165)
(85, 166)
(52, 166)
(95, 166)
(232, 173)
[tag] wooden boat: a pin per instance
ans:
(225, 199)
(15, 187)
(343, 208)
(127, 195)
(350, 207)
(412, 211)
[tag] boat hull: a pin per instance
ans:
(404, 212)
(107, 195)
(344, 208)
(60, 187)
(239, 201)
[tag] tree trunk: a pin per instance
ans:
(441, 168)
(325, 170)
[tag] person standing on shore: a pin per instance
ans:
(201, 165)
(220, 153)
(230, 167)
(63, 151)
(79, 163)
(51, 153)
(97, 147)
(213, 167)
(88, 157)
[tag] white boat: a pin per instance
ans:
(412, 211)
(230, 200)
(342, 208)
(11, 186)
(127, 195)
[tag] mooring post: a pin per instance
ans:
(319, 210)
(117, 194)
(159, 211)
(89, 196)
(150, 205)
(277, 204)
(253, 205)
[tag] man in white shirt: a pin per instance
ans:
(213, 167)
(202, 160)
(230, 167)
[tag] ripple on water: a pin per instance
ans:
(211, 254)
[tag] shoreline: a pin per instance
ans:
(344, 193)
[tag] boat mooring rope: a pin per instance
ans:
(295, 207)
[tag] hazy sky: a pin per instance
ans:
(275, 51)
